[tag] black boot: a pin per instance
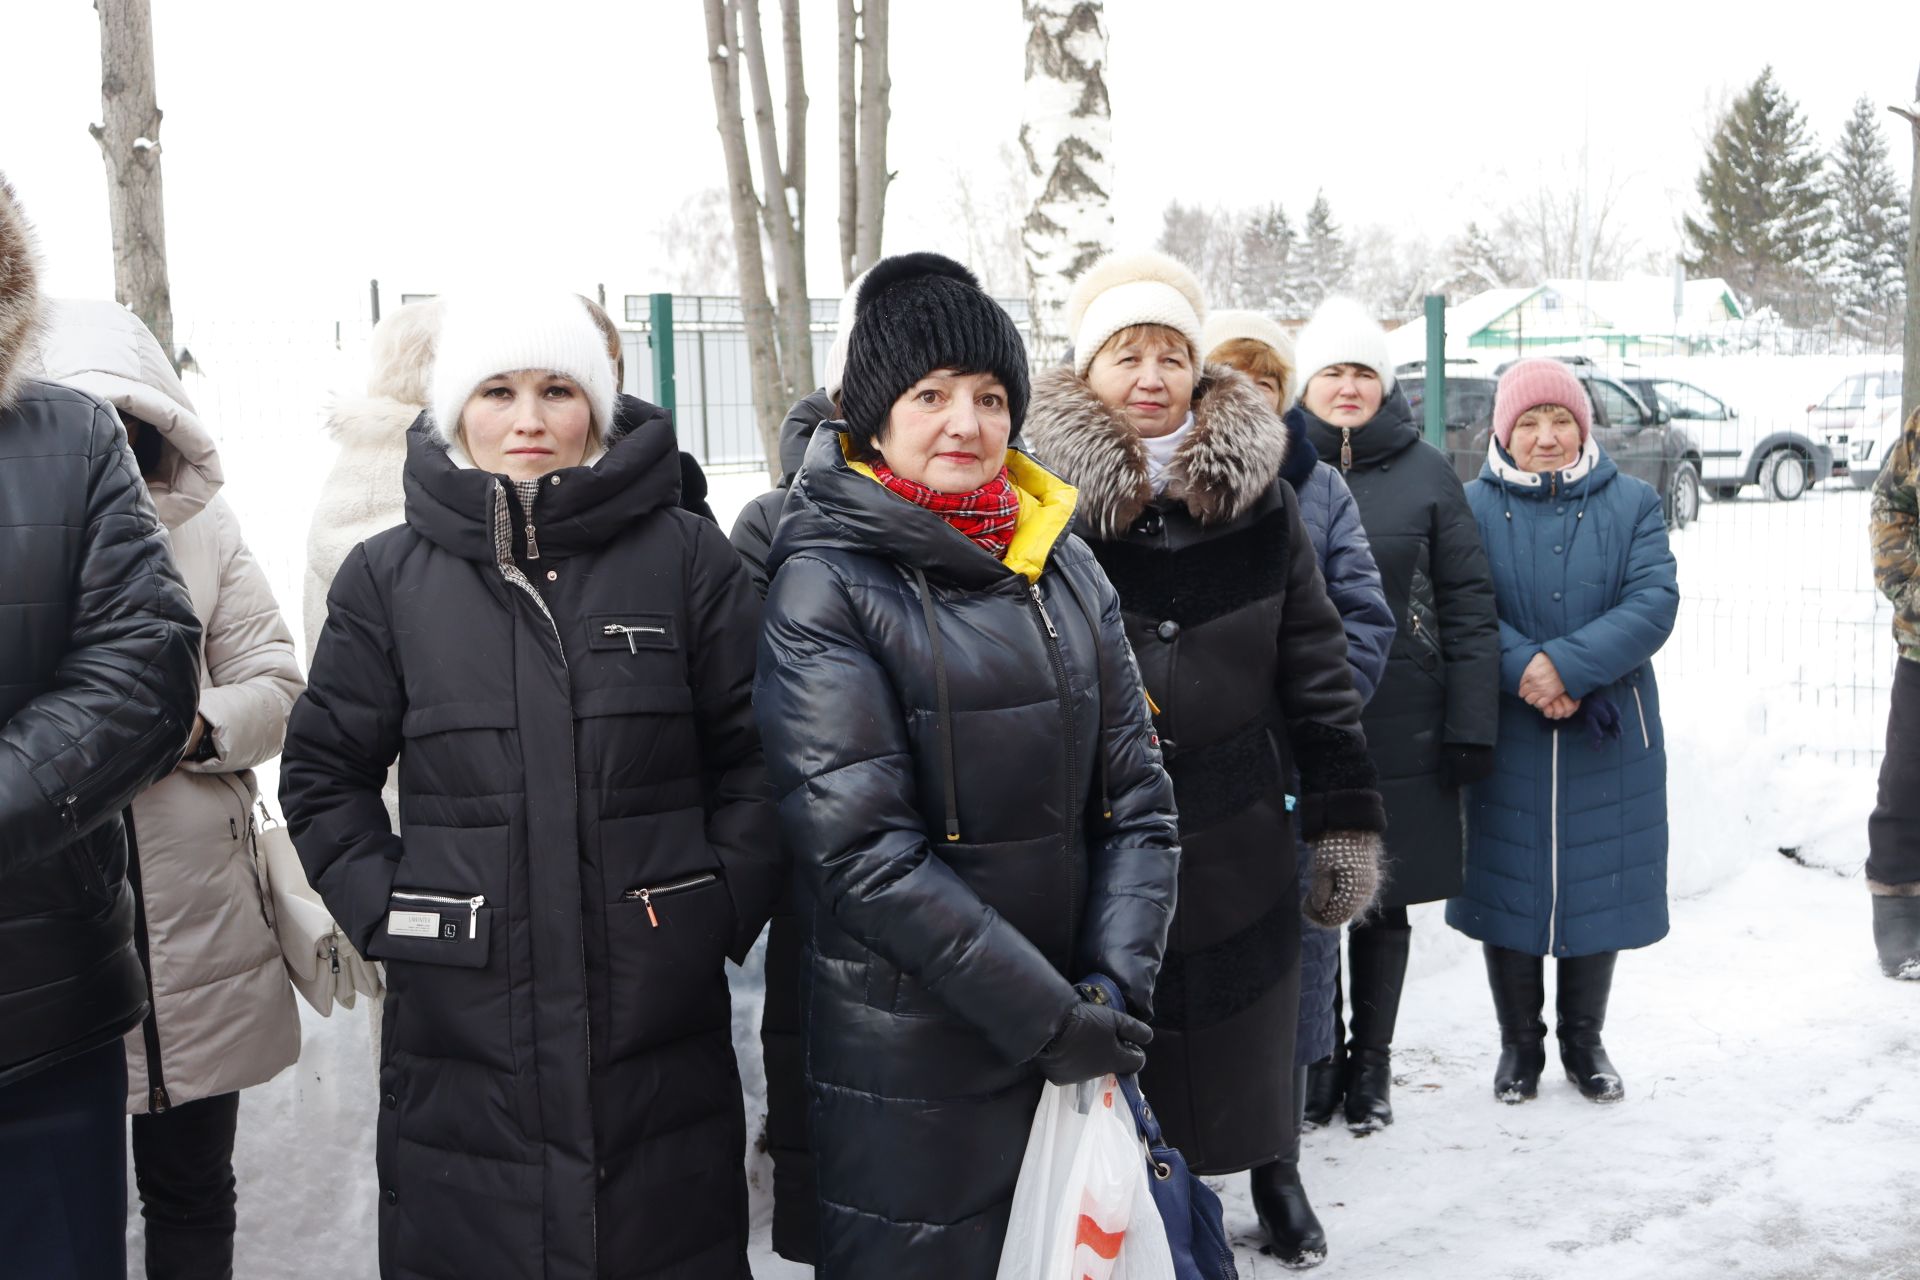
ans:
(1519, 993)
(1294, 1233)
(1327, 1078)
(1896, 933)
(1584, 984)
(1379, 961)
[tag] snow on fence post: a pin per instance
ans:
(1066, 133)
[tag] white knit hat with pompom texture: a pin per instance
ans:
(483, 335)
(1344, 332)
(1125, 289)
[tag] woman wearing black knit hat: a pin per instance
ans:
(967, 775)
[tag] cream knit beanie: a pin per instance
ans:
(484, 335)
(1125, 289)
(1342, 332)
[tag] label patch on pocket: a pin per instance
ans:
(418, 924)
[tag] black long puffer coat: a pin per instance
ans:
(951, 911)
(1245, 658)
(1442, 686)
(585, 836)
(99, 679)
(782, 1045)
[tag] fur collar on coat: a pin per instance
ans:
(1229, 460)
(19, 294)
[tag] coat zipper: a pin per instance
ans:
(615, 629)
(646, 896)
(1346, 449)
(1646, 740)
(472, 905)
(1553, 845)
(1052, 639)
(511, 572)
(70, 805)
(157, 1100)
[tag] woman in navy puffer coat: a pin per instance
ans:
(1567, 840)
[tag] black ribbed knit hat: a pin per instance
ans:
(916, 313)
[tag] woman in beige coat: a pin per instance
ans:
(222, 1015)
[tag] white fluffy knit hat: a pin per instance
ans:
(1226, 326)
(1125, 289)
(1342, 332)
(483, 335)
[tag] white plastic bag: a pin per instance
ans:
(1082, 1210)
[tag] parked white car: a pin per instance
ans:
(1783, 461)
(1860, 421)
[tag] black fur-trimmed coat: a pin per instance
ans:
(1245, 658)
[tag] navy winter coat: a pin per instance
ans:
(1353, 584)
(1567, 842)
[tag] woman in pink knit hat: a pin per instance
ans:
(1567, 839)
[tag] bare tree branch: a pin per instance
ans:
(876, 84)
(849, 141)
(129, 142)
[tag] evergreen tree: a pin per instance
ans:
(1321, 260)
(1764, 224)
(1266, 249)
(1474, 264)
(1870, 230)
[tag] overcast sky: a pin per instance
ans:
(309, 148)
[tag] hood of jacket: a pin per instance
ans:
(1590, 473)
(796, 432)
(19, 293)
(579, 508)
(836, 504)
(1390, 432)
(1302, 457)
(104, 349)
(1229, 460)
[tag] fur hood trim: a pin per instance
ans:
(19, 293)
(372, 421)
(1230, 459)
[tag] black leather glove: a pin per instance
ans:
(1468, 763)
(1094, 1040)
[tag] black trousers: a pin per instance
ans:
(1893, 832)
(183, 1166)
(63, 1170)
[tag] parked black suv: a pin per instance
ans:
(1642, 442)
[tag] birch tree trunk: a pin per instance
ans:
(779, 337)
(1066, 133)
(763, 348)
(1910, 361)
(129, 139)
(864, 115)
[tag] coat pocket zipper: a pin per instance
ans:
(1645, 739)
(472, 905)
(646, 896)
(615, 629)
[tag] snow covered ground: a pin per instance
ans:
(1771, 1127)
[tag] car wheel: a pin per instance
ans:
(1785, 475)
(1725, 492)
(1683, 496)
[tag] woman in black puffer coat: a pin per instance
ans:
(1245, 659)
(968, 777)
(561, 659)
(1431, 724)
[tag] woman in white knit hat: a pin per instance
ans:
(1431, 724)
(1245, 662)
(561, 658)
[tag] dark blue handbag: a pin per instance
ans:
(1190, 1211)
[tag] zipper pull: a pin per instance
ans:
(1033, 589)
(474, 904)
(333, 959)
(1346, 448)
(646, 900)
(533, 544)
(158, 1102)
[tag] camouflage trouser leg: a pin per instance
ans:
(1893, 832)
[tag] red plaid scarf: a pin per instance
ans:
(987, 515)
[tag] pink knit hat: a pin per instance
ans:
(1531, 383)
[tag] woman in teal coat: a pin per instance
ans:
(1567, 840)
